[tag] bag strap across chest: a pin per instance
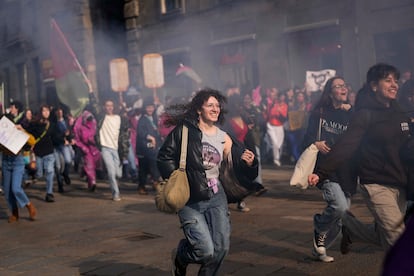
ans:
(184, 141)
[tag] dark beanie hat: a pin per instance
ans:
(18, 105)
(148, 101)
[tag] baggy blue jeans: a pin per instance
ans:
(113, 167)
(131, 161)
(66, 152)
(206, 226)
(12, 169)
(46, 166)
(330, 219)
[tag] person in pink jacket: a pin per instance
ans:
(85, 130)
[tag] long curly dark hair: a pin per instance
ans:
(177, 113)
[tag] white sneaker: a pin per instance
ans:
(277, 163)
(241, 206)
(322, 257)
(243, 209)
(117, 198)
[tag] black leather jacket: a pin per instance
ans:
(169, 157)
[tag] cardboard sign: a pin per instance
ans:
(296, 119)
(10, 137)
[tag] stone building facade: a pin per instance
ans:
(272, 43)
(26, 67)
(227, 42)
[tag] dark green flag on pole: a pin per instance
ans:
(72, 85)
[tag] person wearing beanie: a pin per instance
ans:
(147, 145)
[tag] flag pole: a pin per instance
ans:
(59, 31)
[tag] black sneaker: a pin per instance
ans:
(177, 269)
(319, 242)
(50, 198)
(345, 241)
(260, 191)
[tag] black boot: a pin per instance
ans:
(60, 187)
(66, 174)
(59, 182)
(125, 170)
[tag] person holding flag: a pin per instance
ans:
(112, 136)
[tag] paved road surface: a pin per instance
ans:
(85, 233)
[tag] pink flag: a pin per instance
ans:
(189, 72)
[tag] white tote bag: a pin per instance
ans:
(304, 167)
(305, 164)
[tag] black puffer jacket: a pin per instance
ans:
(169, 157)
(45, 138)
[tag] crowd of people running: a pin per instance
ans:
(121, 140)
(359, 137)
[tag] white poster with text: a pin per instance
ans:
(10, 137)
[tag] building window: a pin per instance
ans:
(396, 48)
(171, 6)
(236, 64)
(314, 49)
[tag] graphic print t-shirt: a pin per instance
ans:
(213, 146)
